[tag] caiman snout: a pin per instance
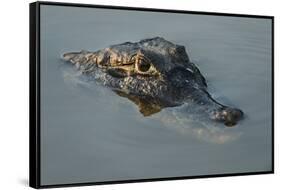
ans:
(228, 115)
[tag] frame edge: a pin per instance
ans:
(34, 156)
(68, 4)
(273, 96)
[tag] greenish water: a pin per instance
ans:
(88, 133)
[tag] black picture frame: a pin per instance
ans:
(34, 98)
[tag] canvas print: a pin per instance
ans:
(139, 94)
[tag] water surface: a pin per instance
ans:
(89, 134)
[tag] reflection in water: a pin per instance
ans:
(197, 125)
(187, 119)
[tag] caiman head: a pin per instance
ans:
(153, 73)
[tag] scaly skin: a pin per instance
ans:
(154, 74)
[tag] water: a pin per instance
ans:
(88, 133)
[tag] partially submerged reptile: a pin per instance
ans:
(154, 74)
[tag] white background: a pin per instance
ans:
(14, 78)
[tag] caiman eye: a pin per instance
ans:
(143, 66)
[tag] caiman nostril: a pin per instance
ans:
(231, 116)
